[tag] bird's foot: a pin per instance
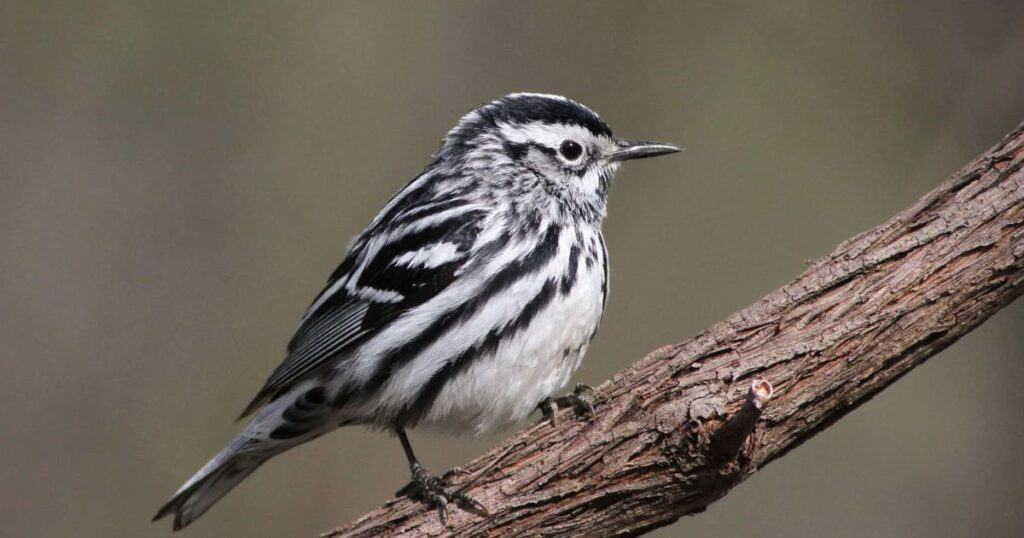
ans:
(452, 473)
(580, 399)
(436, 492)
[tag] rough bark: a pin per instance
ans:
(678, 429)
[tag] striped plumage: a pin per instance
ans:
(469, 299)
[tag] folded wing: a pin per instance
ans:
(395, 265)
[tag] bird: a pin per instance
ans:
(466, 303)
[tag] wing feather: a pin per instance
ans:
(418, 260)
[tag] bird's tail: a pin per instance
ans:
(212, 482)
(289, 420)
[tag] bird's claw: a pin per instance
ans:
(452, 473)
(435, 492)
(580, 399)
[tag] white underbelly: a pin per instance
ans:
(537, 362)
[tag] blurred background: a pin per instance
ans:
(178, 179)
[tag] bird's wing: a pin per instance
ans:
(393, 266)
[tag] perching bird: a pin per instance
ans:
(467, 302)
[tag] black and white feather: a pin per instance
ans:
(470, 298)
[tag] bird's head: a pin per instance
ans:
(544, 151)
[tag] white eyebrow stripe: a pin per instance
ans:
(547, 134)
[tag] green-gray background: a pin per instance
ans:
(178, 180)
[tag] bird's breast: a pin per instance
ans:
(538, 359)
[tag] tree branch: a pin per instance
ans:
(677, 430)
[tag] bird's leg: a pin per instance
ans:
(580, 399)
(432, 489)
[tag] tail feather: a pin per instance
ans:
(278, 426)
(212, 482)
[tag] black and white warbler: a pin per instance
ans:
(470, 298)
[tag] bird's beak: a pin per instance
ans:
(640, 150)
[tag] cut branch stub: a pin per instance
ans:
(729, 439)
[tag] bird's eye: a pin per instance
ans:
(571, 150)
